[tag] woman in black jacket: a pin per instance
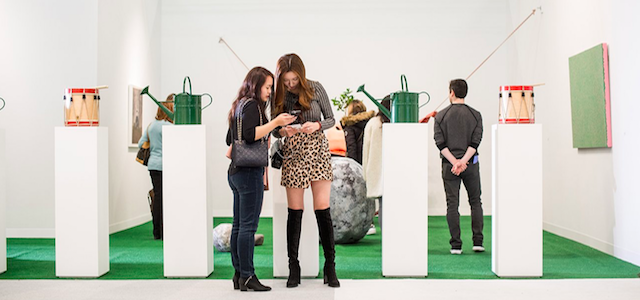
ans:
(247, 182)
(353, 125)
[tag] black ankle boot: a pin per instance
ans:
(294, 226)
(236, 280)
(294, 274)
(330, 276)
(252, 283)
(325, 228)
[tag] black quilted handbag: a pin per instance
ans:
(244, 154)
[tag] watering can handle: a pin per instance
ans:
(429, 99)
(185, 82)
(403, 83)
(209, 101)
(3, 103)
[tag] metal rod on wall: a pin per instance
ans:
(234, 53)
(494, 51)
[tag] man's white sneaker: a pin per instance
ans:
(478, 249)
(456, 251)
(372, 230)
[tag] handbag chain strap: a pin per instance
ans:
(239, 119)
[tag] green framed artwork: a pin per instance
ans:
(590, 102)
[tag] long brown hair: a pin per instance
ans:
(161, 115)
(251, 89)
(291, 63)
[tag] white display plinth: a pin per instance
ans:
(82, 201)
(3, 201)
(405, 193)
(517, 200)
(187, 213)
(309, 239)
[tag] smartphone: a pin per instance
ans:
(298, 114)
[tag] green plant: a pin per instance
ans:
(343, 101)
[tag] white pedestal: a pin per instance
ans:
(405, 193)
(309, 239)
(82, 201)
(3, 201)
(187, 213)
(517, 200)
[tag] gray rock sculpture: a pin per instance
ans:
(222, 237)
(351, 211)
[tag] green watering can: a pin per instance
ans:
(187, 106)
(404, 104)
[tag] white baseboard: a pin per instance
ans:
(269, 212)
(227, 213)
(437, 211)
(606, 247)
(222, 213)
(35, 233)
(627, 255)
(120, 226)
(579, 237)
(50, 233)
(442, 211)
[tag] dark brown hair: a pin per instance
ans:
(251, 89)
(459, 88)
(386, 102)
(291, 63)
(161, 115)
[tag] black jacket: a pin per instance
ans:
(353, 127)
(458, 127)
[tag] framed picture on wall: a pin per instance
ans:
(135, 116)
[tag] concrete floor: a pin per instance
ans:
(314, 289)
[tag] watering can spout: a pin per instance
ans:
(166, 110)
(383, 109)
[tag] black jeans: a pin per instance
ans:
(156, 180)
(471, 179)
(248, 190)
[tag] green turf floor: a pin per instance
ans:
(136, 255)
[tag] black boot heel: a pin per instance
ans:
(294, 275)
(236, 280)
(330, 276)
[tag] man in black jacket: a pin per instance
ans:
(458, 133)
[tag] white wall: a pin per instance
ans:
(128, 54)
(47, 47)
(344, 44)
(588, 193)
(625, 76)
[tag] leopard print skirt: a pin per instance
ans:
(307, 159)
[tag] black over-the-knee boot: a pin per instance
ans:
(325, 228)
(294, 225)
